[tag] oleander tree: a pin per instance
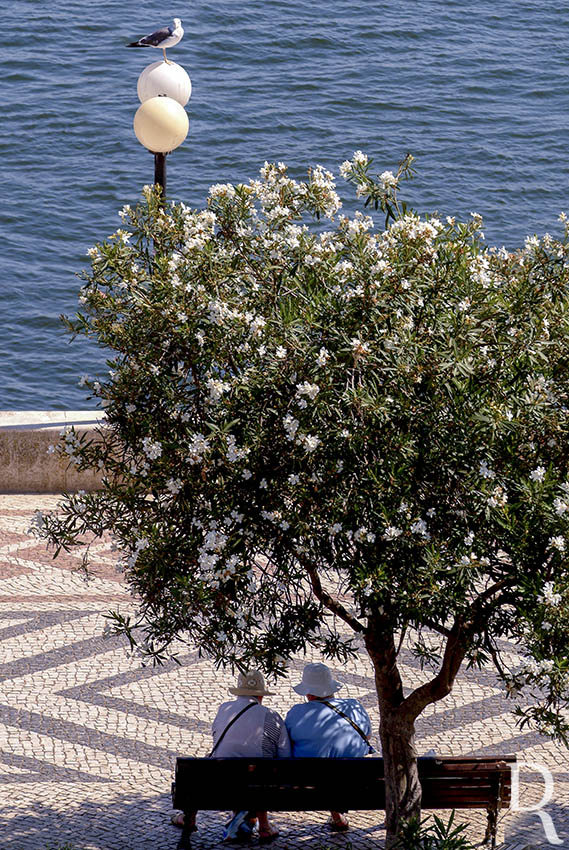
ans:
(334, 431)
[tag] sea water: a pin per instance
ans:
(477, 91)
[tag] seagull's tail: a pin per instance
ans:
(136, 44)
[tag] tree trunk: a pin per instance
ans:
(397, 733)
(402, 786)
(398, 714)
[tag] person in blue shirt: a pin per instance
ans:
(326, 726)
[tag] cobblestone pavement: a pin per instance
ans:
(88, 737)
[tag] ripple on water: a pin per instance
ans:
(479, 94)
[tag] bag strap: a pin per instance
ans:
(230, 724)
(360, 732)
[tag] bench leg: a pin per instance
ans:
(492, 826)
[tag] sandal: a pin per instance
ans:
(342, 825)
(178, 820)
(268, 835)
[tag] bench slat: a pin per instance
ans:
(320, 784)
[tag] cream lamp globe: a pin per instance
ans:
(161, 124)
(161, 78)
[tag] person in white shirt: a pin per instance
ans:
(244, 728)
(259, 733)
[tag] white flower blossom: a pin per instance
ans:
(537, 474)
(388, 179)
(233, 453)
(222, 190)
(557, 543)
(307, 389)
(174, 485)
(548, 595)
(140, 544)
(359, 347)
(291, 426)
(311, 442)
(420, 527)
(392, 532)
(151, 449)
(256, 325)
(216, 389)
(364, 535)
(484, 470)
(197, 447)
(498, 498)
(533, 667)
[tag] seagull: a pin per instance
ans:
(164, 37)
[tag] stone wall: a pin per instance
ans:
(26, 466)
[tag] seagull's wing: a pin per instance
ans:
(156, 38)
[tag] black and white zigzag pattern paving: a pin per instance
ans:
(89, 738)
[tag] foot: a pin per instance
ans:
(338, 822)
(178, 820)
(268, 834)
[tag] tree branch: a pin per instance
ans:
(491, 591)
(442, 683)
(494, 652)
(401, 639)
(436, 627)
(455, 651)
(328, 601)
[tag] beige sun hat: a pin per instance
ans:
(318, 681)
(251, 684)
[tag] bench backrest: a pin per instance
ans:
(314, 784)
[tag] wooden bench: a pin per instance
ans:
(313, 784)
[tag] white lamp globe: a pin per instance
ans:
(162, 78)
(161, 124)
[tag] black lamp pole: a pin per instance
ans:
(160, 172)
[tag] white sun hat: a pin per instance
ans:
(317, 680)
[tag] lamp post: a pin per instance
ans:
(161, 123)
